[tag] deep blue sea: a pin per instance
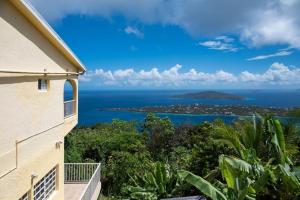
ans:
(92, 103)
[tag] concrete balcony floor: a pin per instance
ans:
(73, 191)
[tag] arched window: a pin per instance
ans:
(70, 94)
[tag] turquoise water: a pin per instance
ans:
(93, 103)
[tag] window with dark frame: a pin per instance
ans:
(46, 186)
(43, 85)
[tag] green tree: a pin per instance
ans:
(160, 131)
(180, 158)
(120, 165)
(117, 145)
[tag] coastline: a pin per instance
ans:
(196, 115)
(206, 110)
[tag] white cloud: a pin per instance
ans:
(153, 74)
(273, 27)
(108, 75)
(84, 78)
(222, 43)
(134, 31)
(224, 76)
(277, 54)
(153, 77)
(257, 22)
(122, 74)
(276, 74)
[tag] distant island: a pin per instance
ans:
(210, 95)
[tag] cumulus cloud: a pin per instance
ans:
(275, 26)
(257, 22)
(134, 31)
(277, 54)
(222, 43)
(154, 77)
(276, 74)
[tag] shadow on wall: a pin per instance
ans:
(70, 90)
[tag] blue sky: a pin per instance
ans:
(163, 44)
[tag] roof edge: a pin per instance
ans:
(40, 23)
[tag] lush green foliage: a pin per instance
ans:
(159, 132)
(263, 167)
(118, 146)
(161, 182)
(246, 159)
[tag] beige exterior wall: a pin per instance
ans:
(31, 122)
(23, 47)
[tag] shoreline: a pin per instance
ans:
(197, 115)
(206, 110)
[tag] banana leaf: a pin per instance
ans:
(204, 186)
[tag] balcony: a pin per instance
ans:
(82, 181)
(69, 108)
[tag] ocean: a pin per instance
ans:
(92, 104)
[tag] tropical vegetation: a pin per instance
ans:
(262, 167)
(248, 159)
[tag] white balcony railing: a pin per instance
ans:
(84, 173)
(69, 108)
